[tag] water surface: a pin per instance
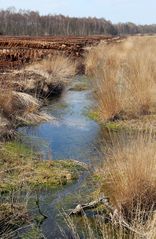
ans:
(72, 135)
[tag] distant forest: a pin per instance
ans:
(31, 23)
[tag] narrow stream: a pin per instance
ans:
(72, 135)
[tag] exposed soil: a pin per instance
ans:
(17, 51)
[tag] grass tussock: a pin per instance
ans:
(14, 103)
(18, 107)
(128, 177)
(55, 67)
(123, 77)
(45, 79)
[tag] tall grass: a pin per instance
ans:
(123, 76)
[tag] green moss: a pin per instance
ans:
(21, 170)
(93, 115)
(113, 126)
(20, 164)
(53, 173)
(16, 148)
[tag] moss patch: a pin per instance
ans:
(93, 115)
(22, 171)
(113, 126)
(19, 165)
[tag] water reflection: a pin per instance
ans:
(72, 135)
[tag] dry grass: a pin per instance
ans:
(24, 103)
(5, 95)
(124, 77)
(18, 107)
(12, 102)
(5, 101)
(13, 212)
(129, 177)
(55, 67)
(99, 229)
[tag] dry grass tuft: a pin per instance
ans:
(5, 101)
(13, 103)
(19, 107)
(129, 179)
(55, 67)
(123, 76)
(6, 95)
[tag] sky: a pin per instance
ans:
(137, 11)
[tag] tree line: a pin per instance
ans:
(31, 23)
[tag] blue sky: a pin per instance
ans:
(137, 11)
